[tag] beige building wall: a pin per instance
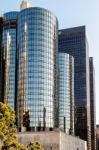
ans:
(25, 5)
(53, 140)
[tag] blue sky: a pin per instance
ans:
(71, 13)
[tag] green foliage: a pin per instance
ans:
(35, 146)
(8, 129)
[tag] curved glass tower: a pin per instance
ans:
(37, 56)
(1, 63)
(9, 43)
(66, 93)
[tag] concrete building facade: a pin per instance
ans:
(54, 140)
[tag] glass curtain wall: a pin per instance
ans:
(66, 90)
(37, 68)
(9, 44)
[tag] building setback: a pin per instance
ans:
(37, 69)
(66, 92)
(74, 42)
(92, 104)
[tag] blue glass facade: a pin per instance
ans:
(92, 103)
(1, 63)
(37, 67)
(66, 93)
(9, 43)
(74, 42)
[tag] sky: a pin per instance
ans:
(71, 13)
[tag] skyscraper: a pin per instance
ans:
(9, 43)
(74, 42)
(92, 104)
(1, 63)
(37, 68)
(66, 92)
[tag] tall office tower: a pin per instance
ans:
(37, 69)
(66, 92)
(74, 42)
(92, 104)
(9, 43)
(1, 63)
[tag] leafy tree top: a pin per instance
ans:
(8, 129)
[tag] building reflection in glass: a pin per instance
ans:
(9, 44)
(66, 93)
(37, 67)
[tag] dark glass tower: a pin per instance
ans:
(9, 43)
(92, 104)
(66, 92)
(1, 63)
(74, 42)
(37, 68)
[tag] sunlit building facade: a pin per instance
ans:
(9, 45)
(66, 92)
(37, 68)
